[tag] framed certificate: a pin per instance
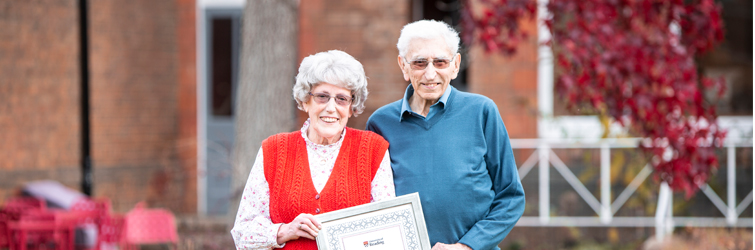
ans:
(392, 224)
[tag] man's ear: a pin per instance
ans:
(404, 70)
(457, 66)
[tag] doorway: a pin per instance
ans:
(221, 46)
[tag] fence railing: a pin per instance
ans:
(544, 158)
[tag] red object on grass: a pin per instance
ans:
(149, 226)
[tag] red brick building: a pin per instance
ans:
(162, 80)
(142, 99)
(143, 88)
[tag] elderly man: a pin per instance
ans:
(448, 145)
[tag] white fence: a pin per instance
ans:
(543, 157)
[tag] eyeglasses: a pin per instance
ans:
(323, 98)
(438, 63)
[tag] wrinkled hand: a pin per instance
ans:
(457, 246)
(304, 225)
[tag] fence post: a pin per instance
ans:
(669, 212)
(731, 181)
(544, 182)
(605, 184)
(662, 211)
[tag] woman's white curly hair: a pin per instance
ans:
(335, 67)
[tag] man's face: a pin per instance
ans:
(430, 66)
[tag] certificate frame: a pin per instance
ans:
(367, 223)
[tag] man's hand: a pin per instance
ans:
(457, 246)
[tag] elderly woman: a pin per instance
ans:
(323, 167)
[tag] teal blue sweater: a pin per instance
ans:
(461, 163)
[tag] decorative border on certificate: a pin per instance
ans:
(396, 223)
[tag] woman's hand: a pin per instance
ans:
(304, 225)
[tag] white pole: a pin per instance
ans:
(605, 184)
(544, 183)
(731, 180)
(544, 71)
(669, 224)
(660, 212)
(545, 107)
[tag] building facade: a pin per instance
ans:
(162, 87)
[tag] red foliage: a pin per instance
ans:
(631, 60)
(497, 30)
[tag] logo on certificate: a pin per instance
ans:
(374, 242)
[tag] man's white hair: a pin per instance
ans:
(427, 29)
(335, 67)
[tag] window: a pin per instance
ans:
(222, 66)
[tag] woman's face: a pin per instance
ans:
(327, 120)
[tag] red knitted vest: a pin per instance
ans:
(292, 191)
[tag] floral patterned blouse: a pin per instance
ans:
(254, 229)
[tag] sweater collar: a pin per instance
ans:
(406, 109)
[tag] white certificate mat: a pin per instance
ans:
(392, 224)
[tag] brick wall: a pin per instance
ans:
(511, 82)
(186, 144)
(141, 69)
(367, 30)
(142, 99)
(40, 135)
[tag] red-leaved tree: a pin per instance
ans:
(631, 61)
